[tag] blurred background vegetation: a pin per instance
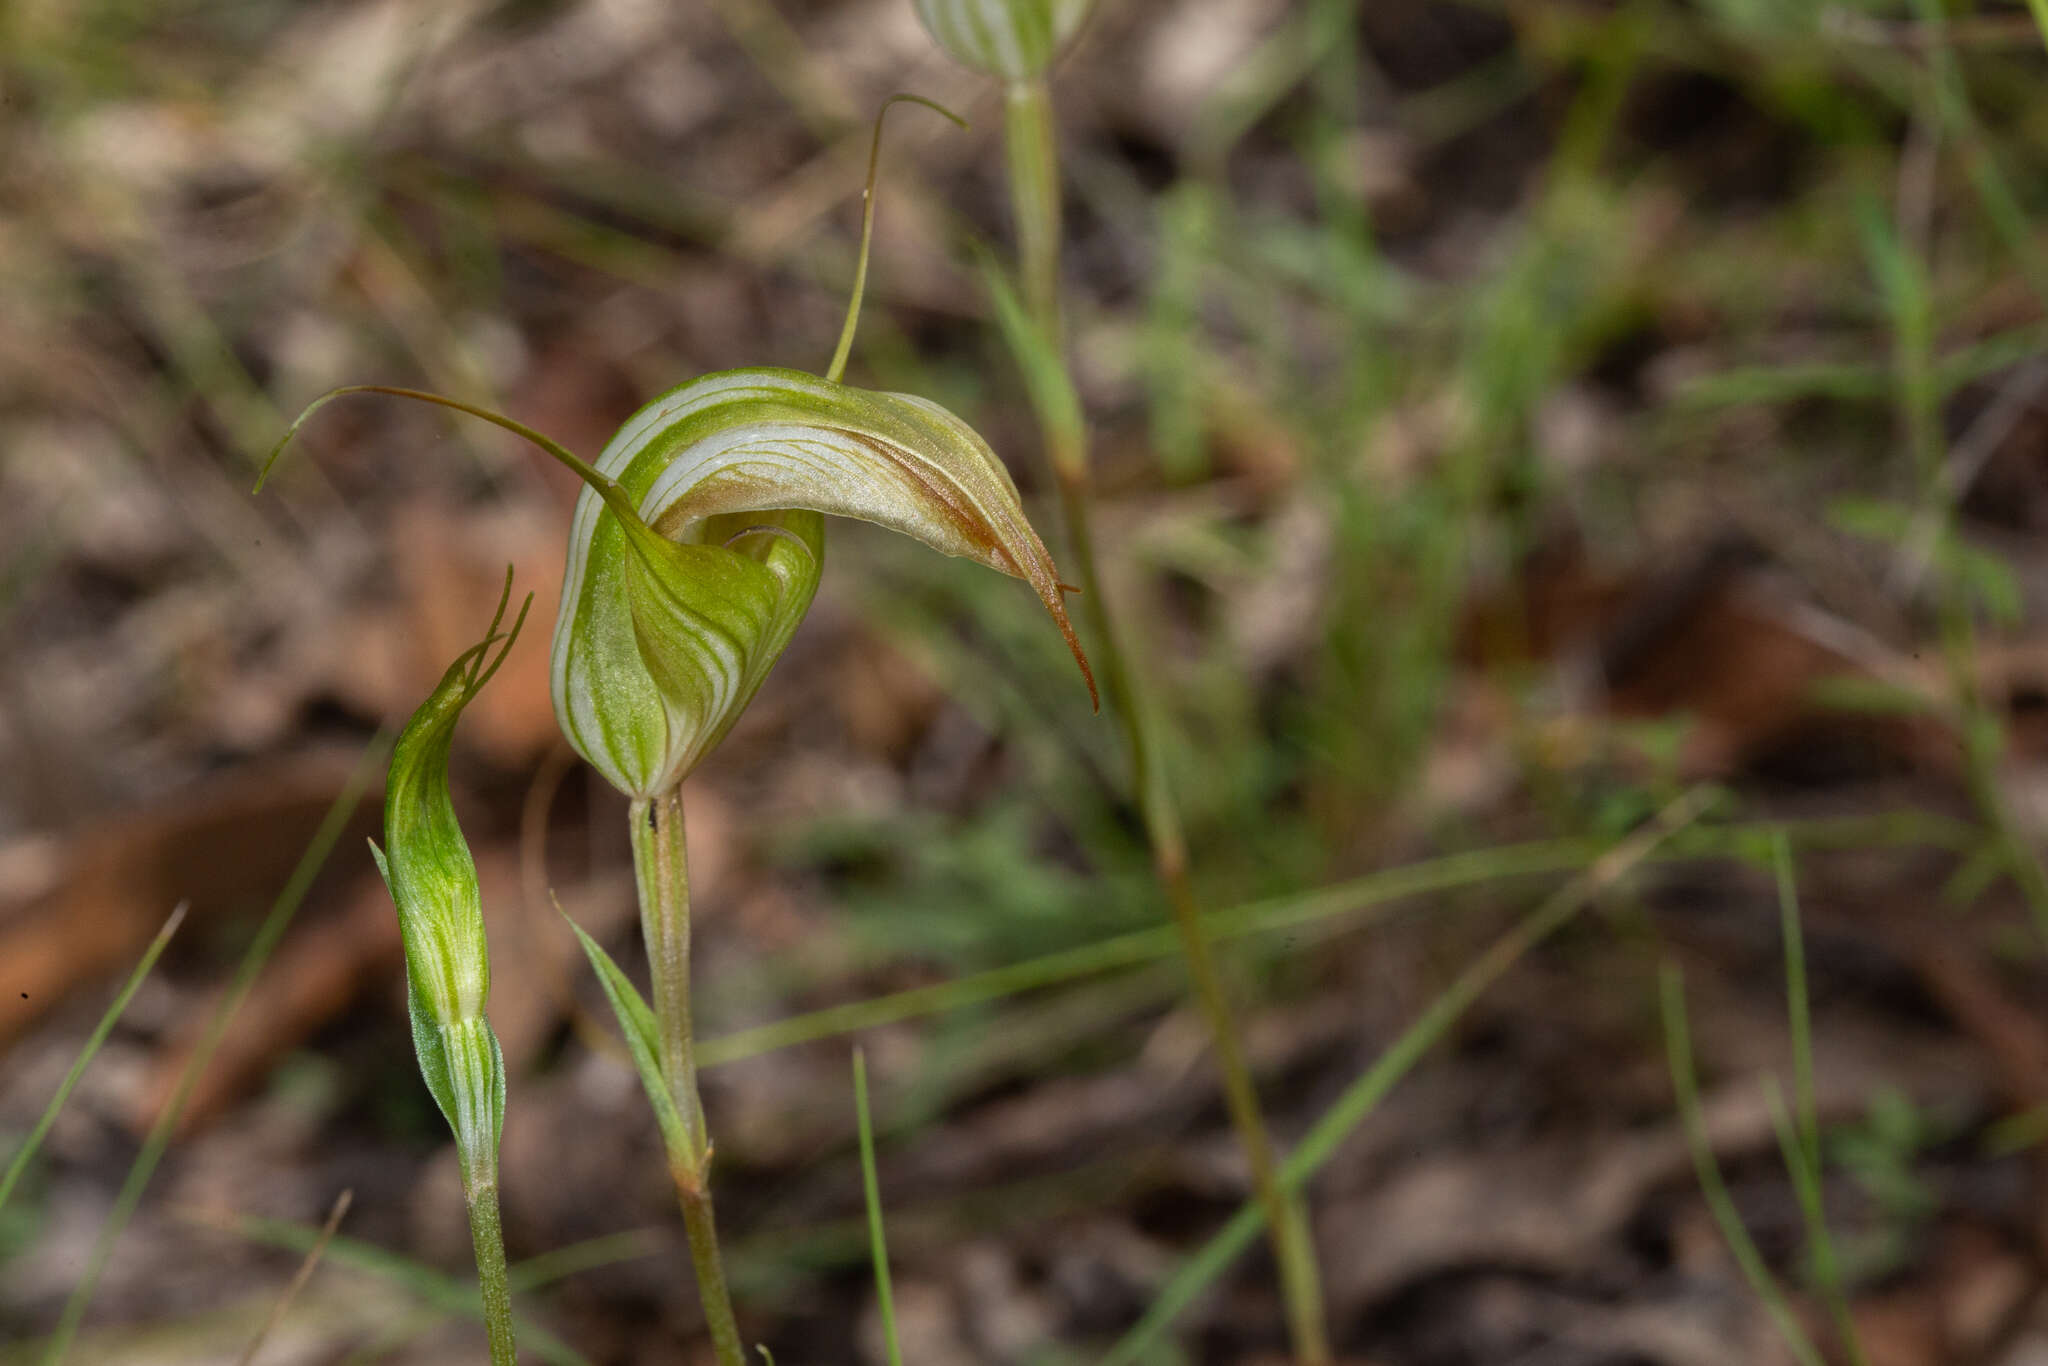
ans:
(1506, 414)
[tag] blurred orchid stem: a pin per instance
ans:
(1035, 202)
(1033, 150)
(661, 873)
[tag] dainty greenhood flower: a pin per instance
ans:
(663, 639)
(427, 866)
(1012, 40)
(698, 542)
(699, 539)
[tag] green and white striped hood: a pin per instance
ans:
(671, 619)
(1013, 40)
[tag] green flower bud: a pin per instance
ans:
(1012, 40)
(696, 549)
(427, 866)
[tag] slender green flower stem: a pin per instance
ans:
(1035, 195)
(701, 1224)
(1035, 198)
(480, 1190)
(661, 873)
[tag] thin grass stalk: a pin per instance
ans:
(592, 1254)
(444, 1295)
(1035, 199)
(1366, 896)
(1897, 259)
(299, 1277)
(1685, 1083)
(86, 1054)
(662, 876)
(1372, 1086)
(1798, 1007)
(443, 1298)
(871, 1191)
(778, 53)
(1808, 1188)
(1799, 1126)
(158, 1140)
(2003, 208)
(1293, 1246)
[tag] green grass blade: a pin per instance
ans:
(1364, 1094)
(871, 1189)
(1374, 892)
(105, 1027)
(1792, 1147)
(448, 1294)
(1799, 1128)
(1678, 1045)
(253, 960)
(1808, 1187)
(1852, 382)
(1996, 196)
(1797, 1009)
(1921, 412)
(589, 1255)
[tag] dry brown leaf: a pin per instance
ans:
(230, 841)
(318, 972)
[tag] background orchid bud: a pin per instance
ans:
(1012, 40)
(671, 617)
(427, 866)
